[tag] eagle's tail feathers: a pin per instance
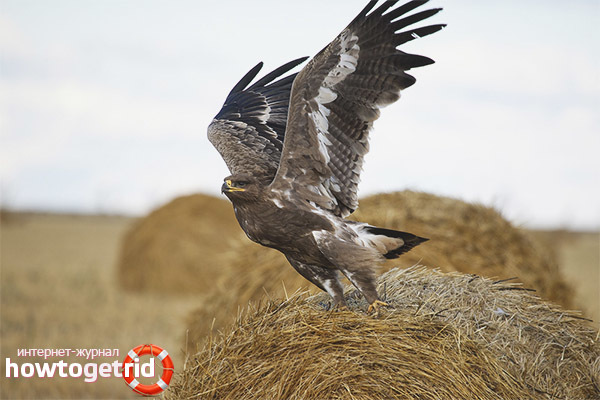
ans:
(400, 242)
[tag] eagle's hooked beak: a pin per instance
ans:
(228, 187)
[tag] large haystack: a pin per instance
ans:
(293, 351)
(468, 238)
(444, 336)
(179, 246)
(464, 237)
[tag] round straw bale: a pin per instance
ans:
(179, 246)
(468, 238)
(290, 350)
(553, 352)
(443, 336)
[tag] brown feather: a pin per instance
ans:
(335, 99)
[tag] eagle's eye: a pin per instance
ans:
(240, 184)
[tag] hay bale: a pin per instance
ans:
(551, 351)
(292, 351)
(179, 246)
(464, 237)
(445, 336)
(468, 238)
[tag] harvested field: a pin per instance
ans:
(444, 336)
(179, 246)
(59, 291)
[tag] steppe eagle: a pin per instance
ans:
(295, 148)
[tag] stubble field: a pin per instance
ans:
(59, 290)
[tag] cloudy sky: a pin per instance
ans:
(104, 104)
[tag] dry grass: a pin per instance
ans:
(292, 351)
(445, 336)
(464, 237)
(59, 290)
(578, 255)
(179, 246)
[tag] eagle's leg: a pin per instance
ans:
(364, 281)
(326, 279)
(356, 262)
(363, 278)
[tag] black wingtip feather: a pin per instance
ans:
(403, 9)
(364, 11)
(278, 72)
(407, 36)
(245, 81)
(384, 7)
(419, 61)
(250, 75)
(414, 18)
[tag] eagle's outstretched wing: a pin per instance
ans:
(248, 131)
(337, 96)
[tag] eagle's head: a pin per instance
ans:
(241, 187)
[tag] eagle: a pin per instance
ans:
(295, 146)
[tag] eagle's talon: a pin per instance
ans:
(375, 306)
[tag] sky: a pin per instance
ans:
(104, 104)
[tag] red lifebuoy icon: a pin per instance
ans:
(163, 381)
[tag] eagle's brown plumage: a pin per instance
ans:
(293, 183)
